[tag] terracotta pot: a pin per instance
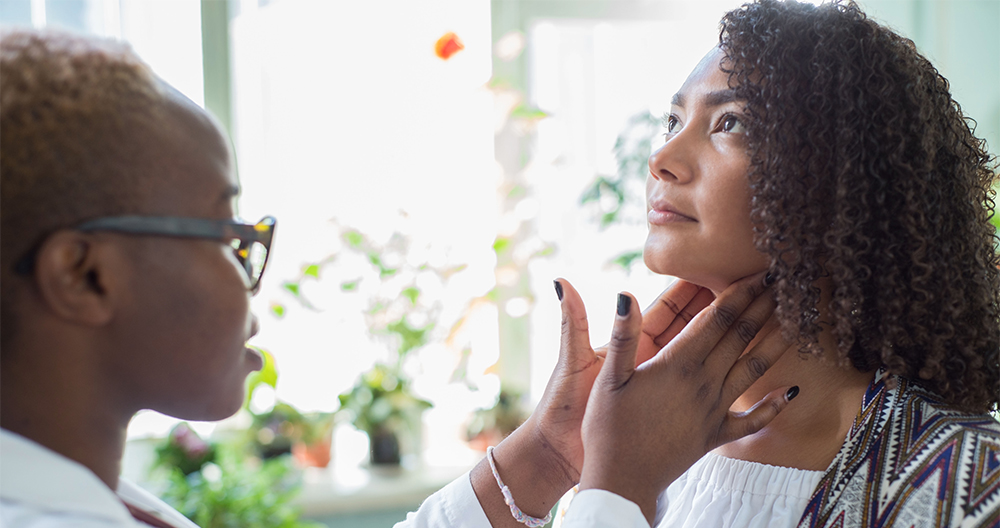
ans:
(316, 454)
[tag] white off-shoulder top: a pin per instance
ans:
(722, 492)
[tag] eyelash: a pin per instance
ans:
(666, 119)
(672, 119)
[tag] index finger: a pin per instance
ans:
(702, 299)
(667, 307)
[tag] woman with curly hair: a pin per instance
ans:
(820, 146)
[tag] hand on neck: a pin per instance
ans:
(809, 433)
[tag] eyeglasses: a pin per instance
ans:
(251, 243)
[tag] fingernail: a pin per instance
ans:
(558, 289)
(768, 279)
(792, 393)
(624, 304)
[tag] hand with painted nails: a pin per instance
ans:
(645, 425)
(544, 457)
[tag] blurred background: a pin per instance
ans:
(434, 165)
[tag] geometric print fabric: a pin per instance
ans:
(909, 461)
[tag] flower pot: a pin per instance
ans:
(315, 454)
(384, 447)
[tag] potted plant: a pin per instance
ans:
(490, 426)
(222, 485)
(381, 405)
(313, 440)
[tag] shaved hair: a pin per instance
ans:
(76, 117)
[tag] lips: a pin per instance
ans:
(663, 212)
(255, 358)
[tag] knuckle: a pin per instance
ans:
(747, 329)
(687, 369)
(724, 316)
(775, 405)
(686, 316)
(621, 338)
(671, 305)
(757, 366)
(752, 289)
(703, 391)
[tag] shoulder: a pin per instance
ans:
(921, 421)
(940, 462)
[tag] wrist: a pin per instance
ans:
(536, 474)
(618, 482)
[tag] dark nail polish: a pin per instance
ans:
(558, 289)
(792, 393)
(768, 279)
(624, 304)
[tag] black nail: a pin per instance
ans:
(792, 393)
(624, 304)
(768, 279)
(558, 289)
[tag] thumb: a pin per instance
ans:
(574, 341)
(620, 361)
(738, 425)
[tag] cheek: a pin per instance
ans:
(191, 323)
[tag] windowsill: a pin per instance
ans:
(349, 490)
(345, 488)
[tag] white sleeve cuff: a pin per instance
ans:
(595, 508)
(453, 506)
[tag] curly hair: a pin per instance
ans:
(864, 169)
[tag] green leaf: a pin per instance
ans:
(500, 244)
(267, 375)
(411, 293)
(278, 310)
(545, 251)
(523, 111)
(609, 218)
(311, 270)
(410, 338)
(516, 191)
(350, 285)
(292, 287)
(354, 238)
(626, 259)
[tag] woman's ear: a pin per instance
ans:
(75, 273)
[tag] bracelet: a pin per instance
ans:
(519, 516)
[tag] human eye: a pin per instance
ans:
(732, 124)
(672, 123)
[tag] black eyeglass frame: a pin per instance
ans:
(182, 227)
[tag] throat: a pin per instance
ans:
(811, 430)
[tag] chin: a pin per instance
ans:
(208, 408)
(703, 274)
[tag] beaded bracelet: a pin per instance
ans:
(519, 516)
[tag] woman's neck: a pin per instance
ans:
(809, 433)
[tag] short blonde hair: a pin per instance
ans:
(75, 113)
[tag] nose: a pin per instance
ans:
(671, 162)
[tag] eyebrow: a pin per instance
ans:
(716, 98)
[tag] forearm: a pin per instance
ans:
(536, 475)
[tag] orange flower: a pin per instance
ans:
(448, 45)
